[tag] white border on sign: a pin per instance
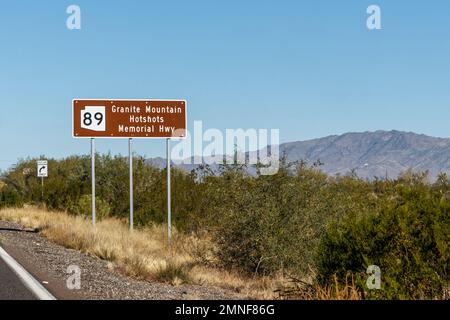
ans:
(174, 138)
(41, 163)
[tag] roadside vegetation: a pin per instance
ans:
(142, 254)
(297, 234)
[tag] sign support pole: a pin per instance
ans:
(130, 152)
(42, 188)
(93, 178)
(169, 213)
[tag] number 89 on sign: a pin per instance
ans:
(93, 118)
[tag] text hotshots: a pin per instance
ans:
(146, 119)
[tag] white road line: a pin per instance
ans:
(27, 279)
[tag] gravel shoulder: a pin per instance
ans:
(49, 263)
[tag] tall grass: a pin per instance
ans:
(142, 254)
(299, 289)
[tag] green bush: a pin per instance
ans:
(408, 240)
(83, 207)
(144, 217)
(271, 223)
(9, 197)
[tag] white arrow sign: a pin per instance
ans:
(42, 168)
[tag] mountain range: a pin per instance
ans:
(368, 154)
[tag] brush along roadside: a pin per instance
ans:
(144, 255)
(141, 254)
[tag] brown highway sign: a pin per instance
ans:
(129, 118)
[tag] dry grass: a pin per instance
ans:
(299, 289)
(143, 253)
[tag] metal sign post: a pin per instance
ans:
(132, 119)
(130, 153)
(93, 179)
(169, 212)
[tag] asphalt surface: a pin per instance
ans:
(11, 288)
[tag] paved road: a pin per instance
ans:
(11, 288)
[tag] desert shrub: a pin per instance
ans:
(144, 217)
(299, 221)
(274, 223)
(9, 197)
(83, 207)
(408, 240)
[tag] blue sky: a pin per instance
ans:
(308, 68)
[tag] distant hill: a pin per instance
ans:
(369, 154)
